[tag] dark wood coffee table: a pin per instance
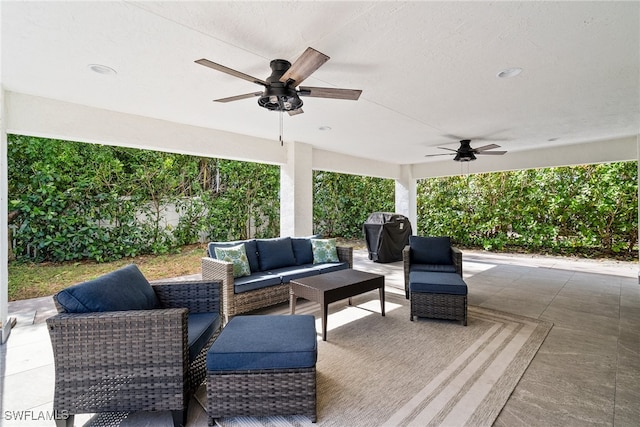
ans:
(335, 286)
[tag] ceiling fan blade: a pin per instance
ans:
(494, 153)
(231, 71)
(445, 148)
(443, 154)
(328, 92)
(305, 65)
(486, 147)
(238, 97)
(295, 112)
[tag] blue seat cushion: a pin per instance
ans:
(250, 248)
(255, 281)
(122, 289)
(288, 274)
(328, 267)
(439, 268)
(437, 283)
(200, 329)
(261, 342)
(430, 250)
(275, 253)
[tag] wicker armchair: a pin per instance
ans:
(134, 360)
(433, 279)
(243, 302)
(453, 266)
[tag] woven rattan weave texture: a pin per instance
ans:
(261, 393)
(439, 306)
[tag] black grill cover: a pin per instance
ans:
(386, 235)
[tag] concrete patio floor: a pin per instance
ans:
(587, 372)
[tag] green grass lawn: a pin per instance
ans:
(36, 280)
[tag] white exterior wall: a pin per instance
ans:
(5, 327)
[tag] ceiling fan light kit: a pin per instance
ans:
(280, 93)
(279, 96)
(464, 157)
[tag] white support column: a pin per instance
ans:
(406, 196)
(5, 322)
(296, 191)
(638, 167)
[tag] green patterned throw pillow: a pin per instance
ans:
(238, 256)
(324, 250)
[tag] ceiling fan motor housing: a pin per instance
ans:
(465, 153)
(277, 95)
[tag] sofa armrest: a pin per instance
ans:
(199, 296)
(120, 350)
(456, 256)
(222, 271)
(345, 254)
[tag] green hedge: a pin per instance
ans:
(74, 201)
(591, 209)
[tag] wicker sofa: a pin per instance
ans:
(273, 263)
(121, 344)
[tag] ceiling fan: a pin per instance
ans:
(466, 154)
(282, 90)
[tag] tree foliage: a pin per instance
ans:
(581, 209)
(342, 203)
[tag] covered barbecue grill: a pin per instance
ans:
(386, 235)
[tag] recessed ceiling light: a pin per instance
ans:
(102, 69)
(509, 72)
(324, 128)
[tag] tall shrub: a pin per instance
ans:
(579, 209)
(342, 203)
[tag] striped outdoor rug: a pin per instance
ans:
(389, 371)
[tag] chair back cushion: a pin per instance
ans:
(275, 253)
(302, 249)
(123, 289)
(430, 250)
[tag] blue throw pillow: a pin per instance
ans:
(302, 249)
(430, 250)
(275, 253)
(123, 289)
(250, 248)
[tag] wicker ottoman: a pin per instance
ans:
(438, 295)
(263, 365)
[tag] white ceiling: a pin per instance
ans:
(427, 69)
